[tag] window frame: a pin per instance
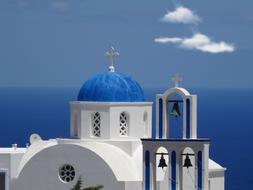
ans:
(93, 119)
(75, 124)
(67, 173)
(127, 124)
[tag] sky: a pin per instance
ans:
(62, 43)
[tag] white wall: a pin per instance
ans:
(137, 126)
(41, 172)
(132, 185)
(9, 163)
(216, 180)
(81, 118)
(5, 161)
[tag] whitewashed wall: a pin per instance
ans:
(42, 171)
(81, 118)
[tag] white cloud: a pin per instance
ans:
(199, 42)
(164, 40)
(181, 15)
(58, 6)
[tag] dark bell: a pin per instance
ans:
(175, 110)
(187, 162)
(162, 162)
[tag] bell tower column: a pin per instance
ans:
(205, 164)
(153, 163)
(193, 116)
(184, 119)
(165, 120)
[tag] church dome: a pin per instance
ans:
(111, 87)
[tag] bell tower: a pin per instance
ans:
(169, 107)
(176, 163)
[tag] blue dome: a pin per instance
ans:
(111, 87)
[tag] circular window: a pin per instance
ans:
(67, 173)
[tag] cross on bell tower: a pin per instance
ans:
(177, 79)
(111, 54)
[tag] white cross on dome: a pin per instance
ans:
(111, 54)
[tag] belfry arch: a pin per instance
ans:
(188, 103)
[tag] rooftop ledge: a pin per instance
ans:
(12, 150)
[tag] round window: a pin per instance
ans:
(67, 173)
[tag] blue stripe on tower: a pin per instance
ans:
(188, 119)
(147, 170)
(173, 170)
(200, 170)
(160, 118)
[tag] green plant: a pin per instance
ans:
(78, 186)
(94, 188)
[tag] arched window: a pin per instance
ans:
(145, 121)
(96, 124)
(124, 124)
(145, 117)
(75, 127)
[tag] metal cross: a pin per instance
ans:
(111, 54)
(177, 79)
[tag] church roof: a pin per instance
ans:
(129, 171)
(213, 166)
(111, 87)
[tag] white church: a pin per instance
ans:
(111, 143)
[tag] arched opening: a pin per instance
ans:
(124, 124)
(173, 163)
(200, 167)
(96, 124)
(147, 170)
(160, 118)
(162, 167)
(188, 169)
(175, 115)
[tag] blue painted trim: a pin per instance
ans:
(147, 170)
(160, 118)
(200, 170)
(173, 170)
(188, 119)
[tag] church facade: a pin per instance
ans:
(111, 143)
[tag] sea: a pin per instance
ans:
(224, 115)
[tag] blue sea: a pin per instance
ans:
(224, 116)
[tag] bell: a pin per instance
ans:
(162, 162)
(187, 162)
(175, 110)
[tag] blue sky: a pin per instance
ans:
(62, 42)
